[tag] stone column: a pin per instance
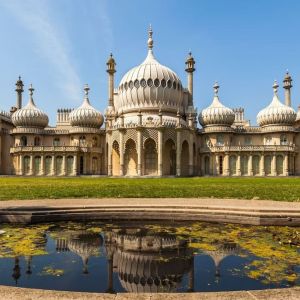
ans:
(53, 165)
(211, 164)
(109, 162)
(64, 162)
(238, 171)
(217, 169)
(250, 166)
(262, 164)
(226, 164)
(84, 164)
(286, 165)
(31, 171)
(191, 156)
(178, 153)
(42, 172)
(160, 153)
(273, 165)
(121, 149)
(75, 165)
(21, 169)
(139, 152)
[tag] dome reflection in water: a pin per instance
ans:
(149, 258)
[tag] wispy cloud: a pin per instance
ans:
(49, 42)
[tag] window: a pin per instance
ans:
(149, 82)
(283, 140)
(220, 140)
(56, 142)
(82, 141)
(37, 141)
(23, 141)
(156, 82)
(268, 140)
(136, 84)
(143, 83)
(94, 141)
(163, 83)
(248, 140)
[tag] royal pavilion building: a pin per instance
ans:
(151, 128)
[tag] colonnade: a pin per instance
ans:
(247, 164)
(184, 148)
(57, 164)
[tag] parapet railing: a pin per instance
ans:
(28, 149)
(249, 148)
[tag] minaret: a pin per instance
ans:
(111, 70)
(287, 85)
(19, 90)
(190, 68)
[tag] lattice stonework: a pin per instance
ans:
(150, 133)
(130, 134)
(115, 136)
(185, 136)
(170, 134)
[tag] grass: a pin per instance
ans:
(287, 189)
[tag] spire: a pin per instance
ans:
(31, 89)
(150, 40)
(19, 90)
(275, 87)
(86, 94)
(287, 85)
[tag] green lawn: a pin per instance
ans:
(87, 187)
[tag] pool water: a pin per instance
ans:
(149, 257)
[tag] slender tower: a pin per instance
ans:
(111, 70)
(19, 90)
(287, 85)
(190, 68)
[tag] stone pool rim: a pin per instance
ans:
(250, 212)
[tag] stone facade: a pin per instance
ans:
(150, 129)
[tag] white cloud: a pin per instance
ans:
(48, 43)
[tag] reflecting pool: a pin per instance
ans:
(149, 257)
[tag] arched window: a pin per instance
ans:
(150, 158)
(244, 165)
(82, 141)
(283, 140)
(48, 163)
(255, 165)
(59, 166)
(94, 165)
(268, 140)
(37, 165)
(279, 165)
(70, 163)
(220, 140)
(23, 141)
(94, 141)
(56, 142)
(26, 166)
(248, 140)
(37, 141)
(268, 162)
(232, 164)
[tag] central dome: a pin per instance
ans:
(149, 87)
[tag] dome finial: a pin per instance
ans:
(216, 88)
(275, 86)
(31, 89)
(150, 40)
(86, 92)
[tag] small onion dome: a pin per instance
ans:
(216, 113)
(30, 115)
(86, 115)
(276, 113)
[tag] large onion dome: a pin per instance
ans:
(216, 114)
(149, 87)
(30, 115)
(86, 115)
(276, 113)
(298, 115)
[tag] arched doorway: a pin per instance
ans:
(206, 165)
(37, 165)
(26, 165)
(232, 164)
(94, 165)
(59, 165)
(244, 165)
(268, 162)
(150, 158)
(130, 158)
(169, 158)
(48, 165)
(279, 165)
(70, 163)
(185, 159)
(255, 165)
(115, 159)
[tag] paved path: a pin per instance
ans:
(157, 202)
(11, 293)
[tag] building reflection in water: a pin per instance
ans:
(145, 262)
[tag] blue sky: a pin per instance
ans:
(59, 45)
